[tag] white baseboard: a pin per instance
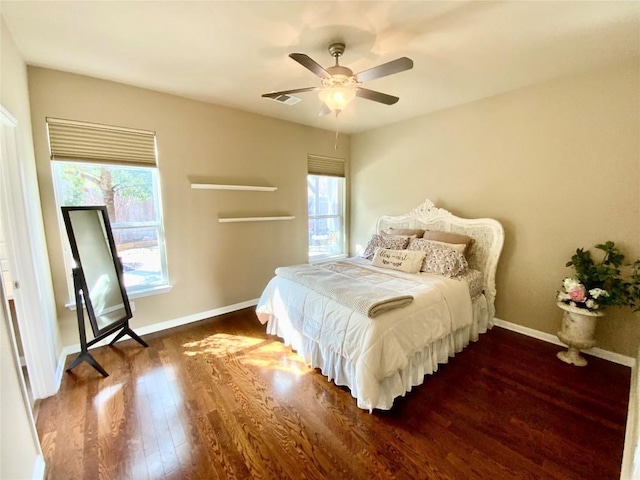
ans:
(631, 453)
(62, 360)
(38, 468)
(547, 337)
(157, 327)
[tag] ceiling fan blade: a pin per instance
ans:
(310, 64)
(376, 96)
(324, 110)
(389, 68)
(289, 92)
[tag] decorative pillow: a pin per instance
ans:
(395, 242)
(448, 237)
(410, 232)
(403, 260)
(439, 259)
(475, 280)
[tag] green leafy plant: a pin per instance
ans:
(597, 284)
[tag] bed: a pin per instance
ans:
(381, 350)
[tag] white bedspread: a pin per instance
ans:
(333, 337)
(352, 286)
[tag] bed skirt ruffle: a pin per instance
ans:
(342, 371)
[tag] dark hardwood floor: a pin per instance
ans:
(220, 399)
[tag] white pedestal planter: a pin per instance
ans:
(578, 331)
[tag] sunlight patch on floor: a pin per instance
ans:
(276, 356)
(220, 344)
(252, 351)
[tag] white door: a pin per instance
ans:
(29, 273)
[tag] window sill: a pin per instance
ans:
(329, 258)
(137, 294)
(151, 291)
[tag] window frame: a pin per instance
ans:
(133, 291)
(341, 216)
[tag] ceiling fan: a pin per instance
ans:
(340, 85)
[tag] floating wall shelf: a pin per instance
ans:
(211, 186)
(253, 219)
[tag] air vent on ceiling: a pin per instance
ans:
(286, 99)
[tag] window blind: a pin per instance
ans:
(332, 167)
(92, 142)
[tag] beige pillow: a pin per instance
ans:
(410, 232)
(403, 260)
(448, 237)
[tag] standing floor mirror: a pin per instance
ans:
(97, 279)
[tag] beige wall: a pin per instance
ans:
(557, 163)
(19, 447)
(211, 265)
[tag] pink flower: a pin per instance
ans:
(578, 295)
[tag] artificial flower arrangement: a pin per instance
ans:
(609, 282)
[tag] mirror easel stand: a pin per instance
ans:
(84, 355)
(126, 330)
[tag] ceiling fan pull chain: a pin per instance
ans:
(335, 145)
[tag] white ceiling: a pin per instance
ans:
(229, 53)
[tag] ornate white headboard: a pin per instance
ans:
(487, 233)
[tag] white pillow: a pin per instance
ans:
(404, 260)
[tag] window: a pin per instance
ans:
(131, 197)
(326, 207)
(116, 167)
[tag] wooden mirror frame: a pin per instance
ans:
(83, 292)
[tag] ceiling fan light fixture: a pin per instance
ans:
(337, 98)
(340, 85)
